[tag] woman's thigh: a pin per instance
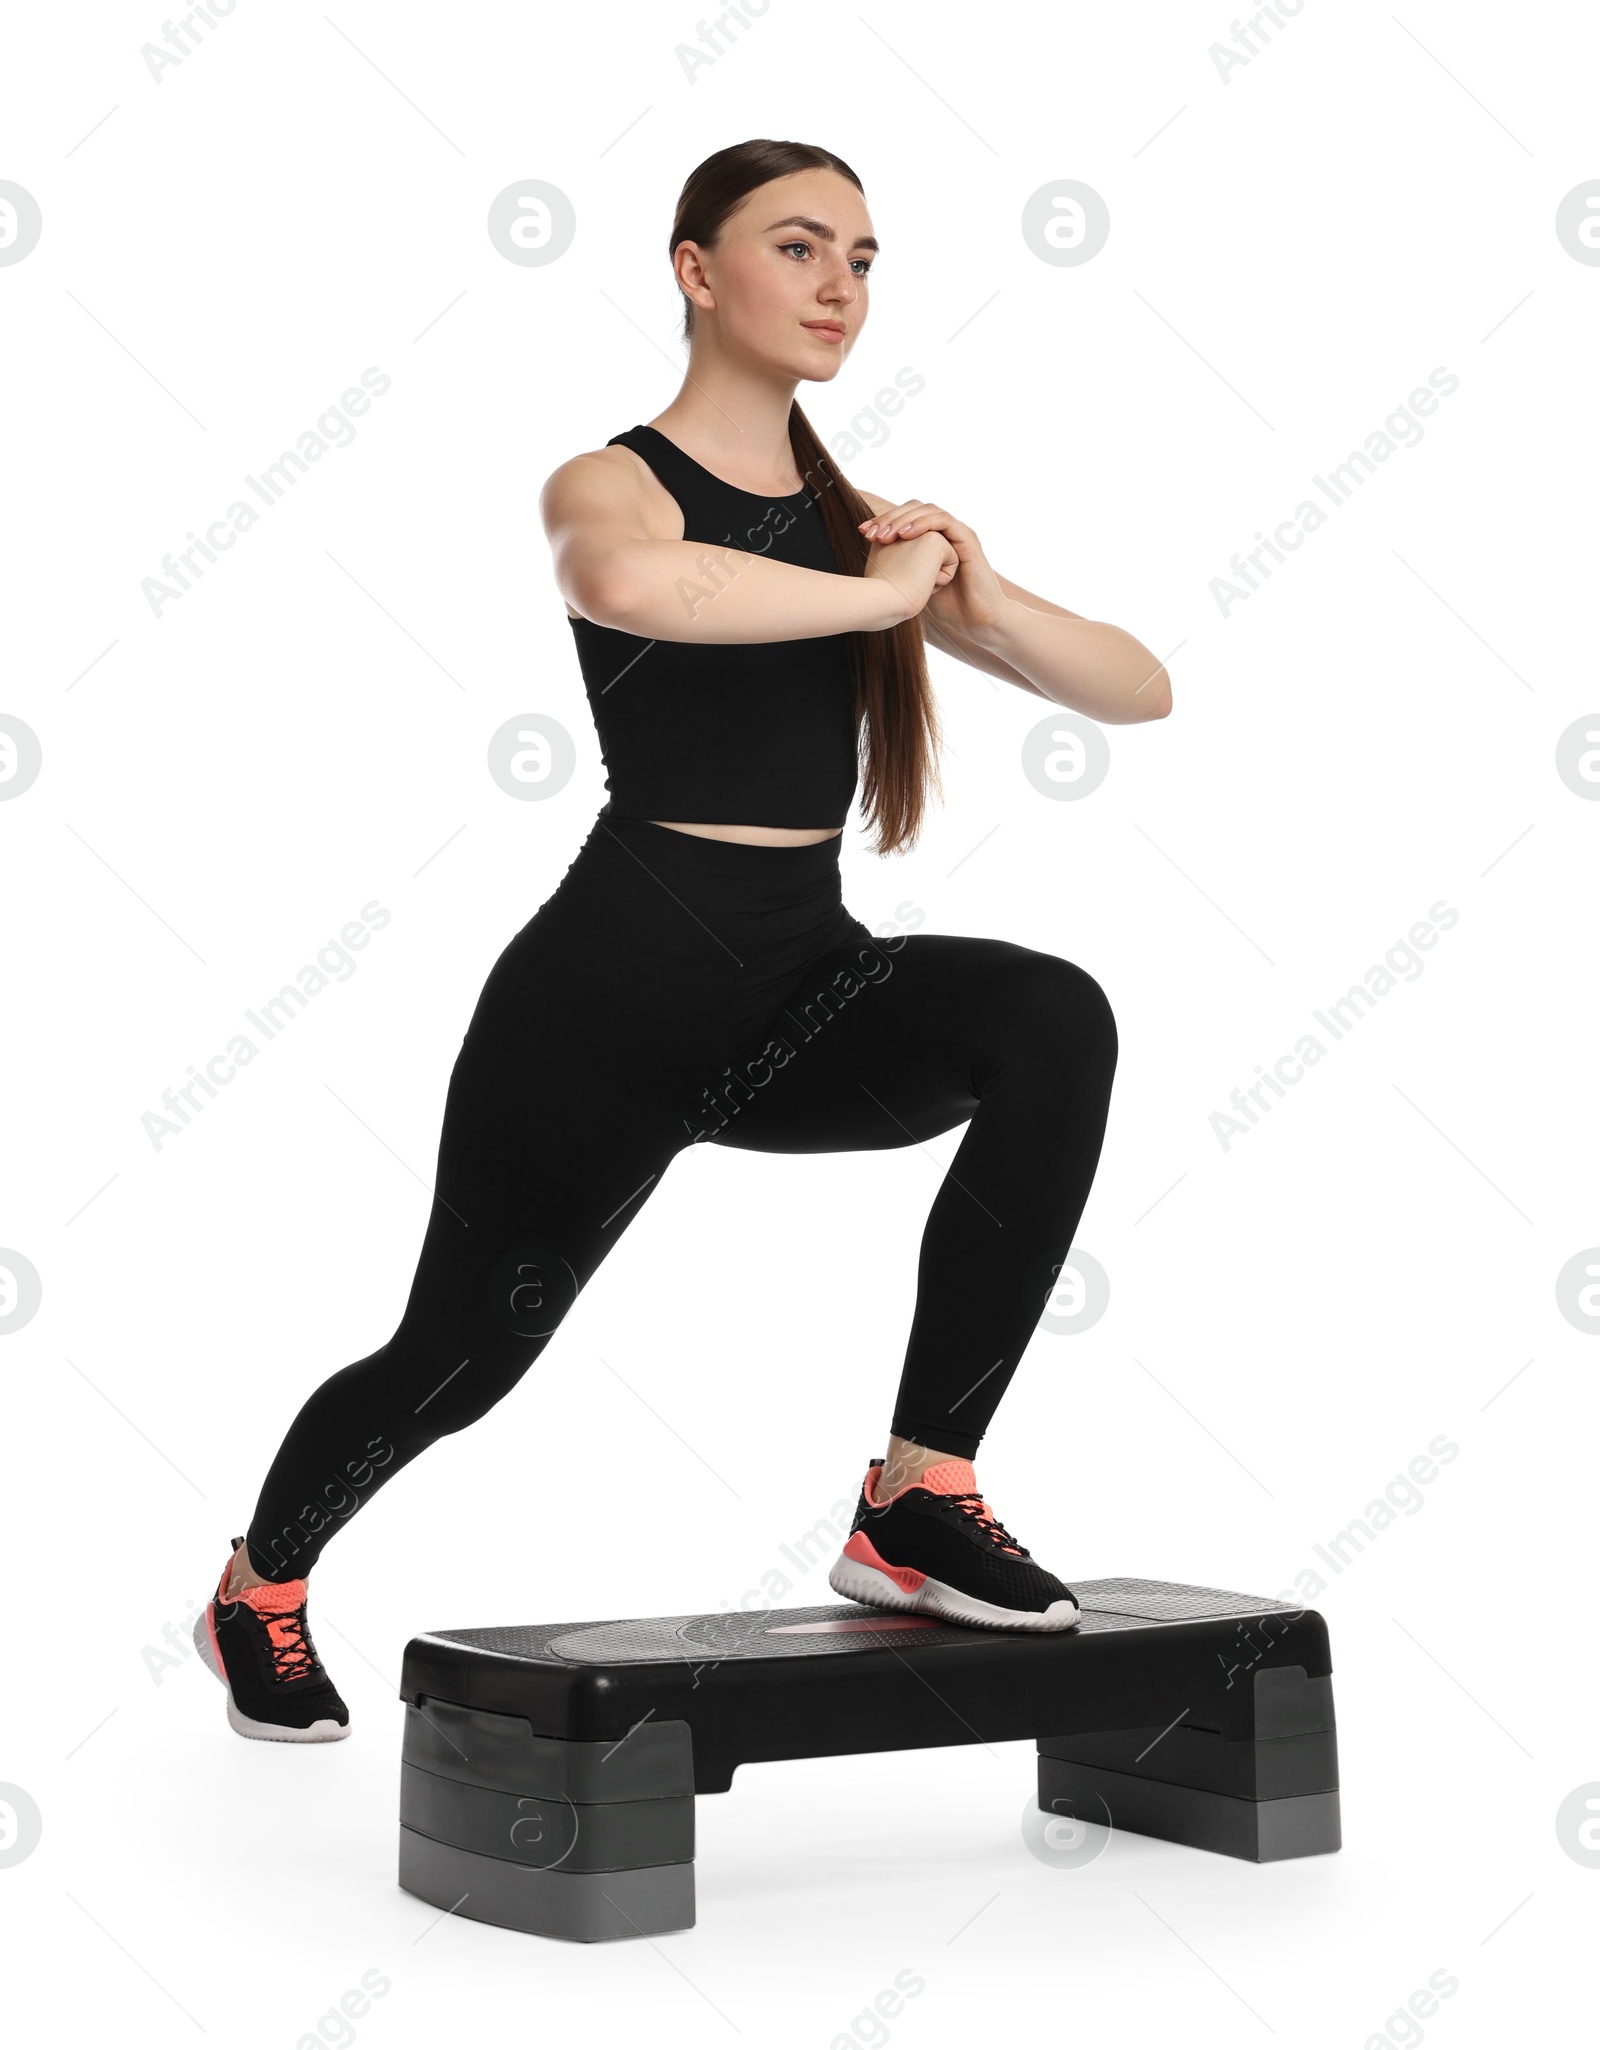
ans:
(561, 1117)
(891, 1042)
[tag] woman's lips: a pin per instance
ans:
(826, 330)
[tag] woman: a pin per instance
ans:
(751, 631)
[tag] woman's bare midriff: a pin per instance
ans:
(758, 836)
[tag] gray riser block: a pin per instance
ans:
(1298, 1826)
(1269, 1770)
(551, 1833)
(582, 1907)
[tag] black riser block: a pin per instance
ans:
(483, 1748)
(550, 1833)
(1298, 1826)
(1270, 1770)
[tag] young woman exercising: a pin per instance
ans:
(751, 630)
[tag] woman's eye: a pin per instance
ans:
(861, 265)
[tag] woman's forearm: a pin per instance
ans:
(1085, 664)
(696, 591)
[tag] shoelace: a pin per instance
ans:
(294, 1656)
(976, 1506)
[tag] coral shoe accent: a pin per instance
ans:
(865, 1553)
(281, 1607)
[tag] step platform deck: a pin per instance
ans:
(549, 1771)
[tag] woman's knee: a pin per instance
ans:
(464, 1390)
(454, 1359)
(1071, 1010)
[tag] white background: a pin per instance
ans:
(1292, 1318)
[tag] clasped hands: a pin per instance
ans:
(966, 596)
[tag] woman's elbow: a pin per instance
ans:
(604, 591)
(1152, 695)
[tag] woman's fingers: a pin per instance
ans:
(912, 521)
(899, 523)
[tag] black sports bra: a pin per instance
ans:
(752, 733)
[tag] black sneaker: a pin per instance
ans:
(936, 1546)
(259, 1646)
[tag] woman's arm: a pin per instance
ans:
(996, 626)
(611, 570)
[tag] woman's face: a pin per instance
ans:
(786, 283)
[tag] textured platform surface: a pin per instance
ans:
(847, 1627)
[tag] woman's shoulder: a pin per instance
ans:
(594, 470)
(606, 483)
(604, 496)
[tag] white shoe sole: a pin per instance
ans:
(859, 1583)
(323, 1731)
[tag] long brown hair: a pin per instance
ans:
(897, 718)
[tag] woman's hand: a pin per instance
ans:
(916, 567)
(969, 599)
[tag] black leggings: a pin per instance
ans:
(672, 990)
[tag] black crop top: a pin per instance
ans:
(751, 733)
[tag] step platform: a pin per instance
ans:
(549, 1770)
